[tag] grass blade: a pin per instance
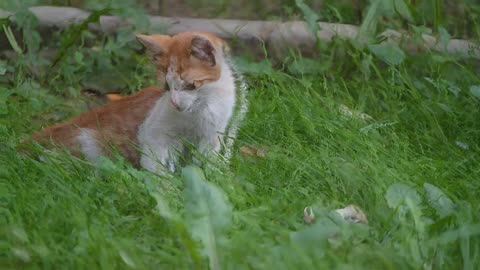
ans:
(208, 211)
(11, 39)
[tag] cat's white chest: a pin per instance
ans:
(210, 118)
(164, 131)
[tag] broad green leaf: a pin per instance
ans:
(453, 88)
(124, 36)
(418, 32)
(208, 213)
(380, 8)
(127, 259)
(415, 210)
(475, 90)
(163, 208)
(398, 193)
(154, 187)
(389, 53)
(327, 226)
(465, 231)
(369, 24)
(3, 68)
(28, 23)
(421, 30)
(310, 16)
(402, 9)
(439, 201)
(444, 37)
(387, 8)
(315, 236)
(79, 58)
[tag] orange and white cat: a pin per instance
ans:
(149, 127)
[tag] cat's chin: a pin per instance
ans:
(175, 105)
(182, 101)
(179, 106)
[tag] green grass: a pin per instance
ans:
(67, 213)
(413, 169)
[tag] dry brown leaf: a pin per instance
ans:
(254, 150)
(351, 214)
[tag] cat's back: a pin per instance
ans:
(117, 121)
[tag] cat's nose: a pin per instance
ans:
(175, 101)
(174, 104)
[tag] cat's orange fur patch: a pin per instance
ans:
(114, 96)
(115, 124)
(163, 47)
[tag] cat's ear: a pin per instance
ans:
(156, 45)
(203, 49)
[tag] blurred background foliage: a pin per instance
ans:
(71, 61)
(459, 17)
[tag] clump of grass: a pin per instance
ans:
(412, 167)
(423, 138)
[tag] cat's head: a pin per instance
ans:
(186, 61)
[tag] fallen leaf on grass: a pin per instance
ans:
(351, 214)
(254, 150)
(347, 112)
(328, 228)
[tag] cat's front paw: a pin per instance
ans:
(170, 165)
(158, 162)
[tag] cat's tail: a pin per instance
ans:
(63, 135)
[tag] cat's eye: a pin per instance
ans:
(189, 86)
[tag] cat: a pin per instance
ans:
(202, 103)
